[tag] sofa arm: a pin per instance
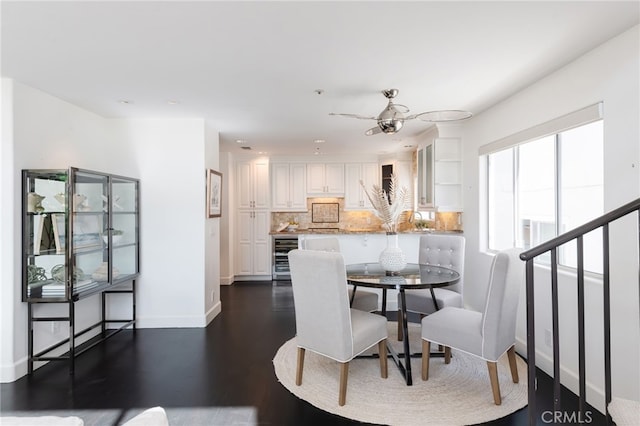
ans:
(155, 416)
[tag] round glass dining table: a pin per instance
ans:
(413, 276)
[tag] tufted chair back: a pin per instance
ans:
(446, 251)
(322, 244)
(362, 300)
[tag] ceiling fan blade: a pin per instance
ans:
(373, 131)
(360, 117)
(440, 116)
(399, 107)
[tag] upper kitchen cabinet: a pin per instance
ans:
(325, 179)
(252, 184)
(440, 175)
(425, 177)
(288, 187)
(354, 196)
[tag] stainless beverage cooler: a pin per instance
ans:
(282, 245)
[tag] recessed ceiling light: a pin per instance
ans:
(408, 146)
(172, 102)
(125, 101)
(240, 141)
(319, 141)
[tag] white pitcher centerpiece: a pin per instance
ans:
(389, 207)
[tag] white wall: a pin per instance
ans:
(170, 158)
(8, 232)
(47, 133)
(212, 237)
(179, 263)
(227, 223)
(610, 74)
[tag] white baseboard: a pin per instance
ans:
(226, 280)
(11, 373)
(253, 278)
(213, 312)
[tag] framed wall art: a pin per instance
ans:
(214, 193)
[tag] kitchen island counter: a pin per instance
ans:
(332, 231)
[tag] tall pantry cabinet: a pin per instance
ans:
(253, 251)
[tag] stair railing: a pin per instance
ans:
(551, 246)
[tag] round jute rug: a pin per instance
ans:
(455, 394)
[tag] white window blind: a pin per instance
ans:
(569, 121)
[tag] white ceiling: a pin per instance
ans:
(252, 68)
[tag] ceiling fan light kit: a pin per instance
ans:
(392, 118)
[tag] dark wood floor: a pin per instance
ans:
(227, 364)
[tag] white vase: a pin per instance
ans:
(392, 258)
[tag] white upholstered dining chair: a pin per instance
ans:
(487, 334)
(362, 300)
(438, 250)
(325, 323)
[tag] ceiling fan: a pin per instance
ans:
(392, 118)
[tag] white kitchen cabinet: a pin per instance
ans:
(325, 179)
(424, 186)
(253, 251)
(448, 174)
(288, 187)
(354, 196)
(440, 175)
(252, 184)
(253, 220)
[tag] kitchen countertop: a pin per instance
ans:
(357, 231)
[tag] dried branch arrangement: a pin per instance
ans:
(388, 207)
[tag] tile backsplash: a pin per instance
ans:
(356, 220)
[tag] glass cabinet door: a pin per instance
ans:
(425, 176)
(44, 203)
(89, 221)
(124, 229)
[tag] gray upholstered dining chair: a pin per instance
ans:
(488, 334)
(363, 300)
(325, 323)
(439, 250)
